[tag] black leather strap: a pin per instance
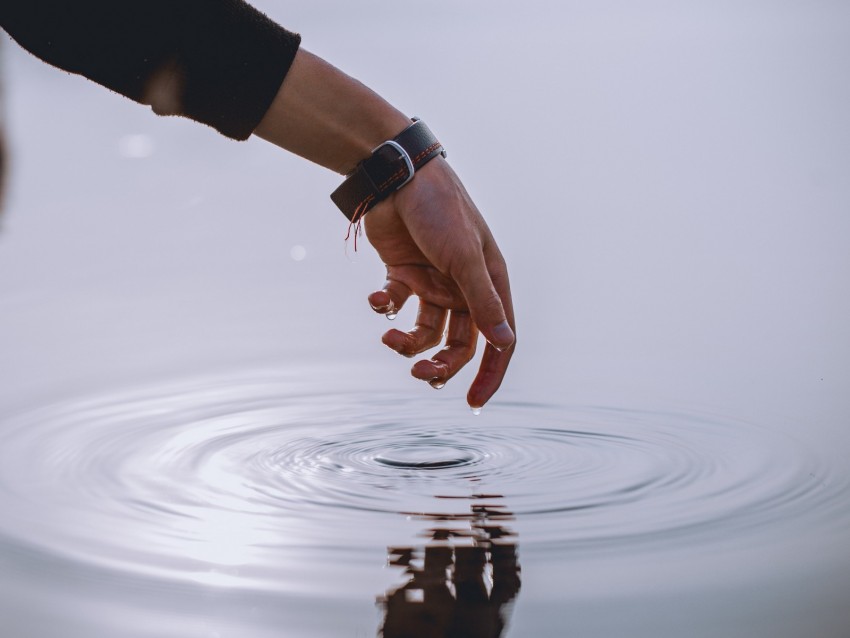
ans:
(386, 170)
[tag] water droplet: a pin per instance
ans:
(476, 411)
(437, 383)
(392, 311)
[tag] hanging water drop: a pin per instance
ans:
(437, 384)
(392, 314)
(476, 411)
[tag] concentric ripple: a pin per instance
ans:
(242, 475)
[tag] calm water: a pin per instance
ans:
(201, 435)
(283, 503)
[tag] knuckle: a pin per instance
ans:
(491, 306)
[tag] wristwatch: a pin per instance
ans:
(390, 166)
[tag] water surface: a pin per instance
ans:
(259, 486)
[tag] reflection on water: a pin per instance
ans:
(460, 583)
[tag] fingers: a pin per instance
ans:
(487, 289)
(427, 333)
(494, 364)
(460, 348)
(485, 302)
(390, 299)
(487, 293)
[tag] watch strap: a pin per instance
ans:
(390, 166)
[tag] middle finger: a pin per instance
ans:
(460, 348)
(427, 333)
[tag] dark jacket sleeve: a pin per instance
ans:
(225, 59)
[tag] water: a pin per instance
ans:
(201, 434)
(261, 487)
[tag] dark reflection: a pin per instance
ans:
(460, 583)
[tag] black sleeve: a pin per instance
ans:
(228, 58)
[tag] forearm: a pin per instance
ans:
(327, 117)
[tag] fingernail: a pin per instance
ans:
(503, 336)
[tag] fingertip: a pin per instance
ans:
(430, 371)
(398, 341)
(475, 401)
(422, 371)
(390, 299)
(489, 378)
(392, 338)
(479, 394)
(380, 301)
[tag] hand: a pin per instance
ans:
(437, 246)
(430, 235)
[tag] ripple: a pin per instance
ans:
(427, 457)
(242, 475)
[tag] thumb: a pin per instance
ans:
(486, 306)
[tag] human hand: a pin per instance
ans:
(429, 233)
(437, 246)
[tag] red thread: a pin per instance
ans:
(357, 219)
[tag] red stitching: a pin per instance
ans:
(392, 178)
(426, 152)
(401, 172)
(363, 206)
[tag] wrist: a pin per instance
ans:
(327, 117)
(388, 168)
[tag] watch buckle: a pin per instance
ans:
(403, 155)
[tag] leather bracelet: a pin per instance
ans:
(390, 166)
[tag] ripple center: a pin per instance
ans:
(424, 457)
